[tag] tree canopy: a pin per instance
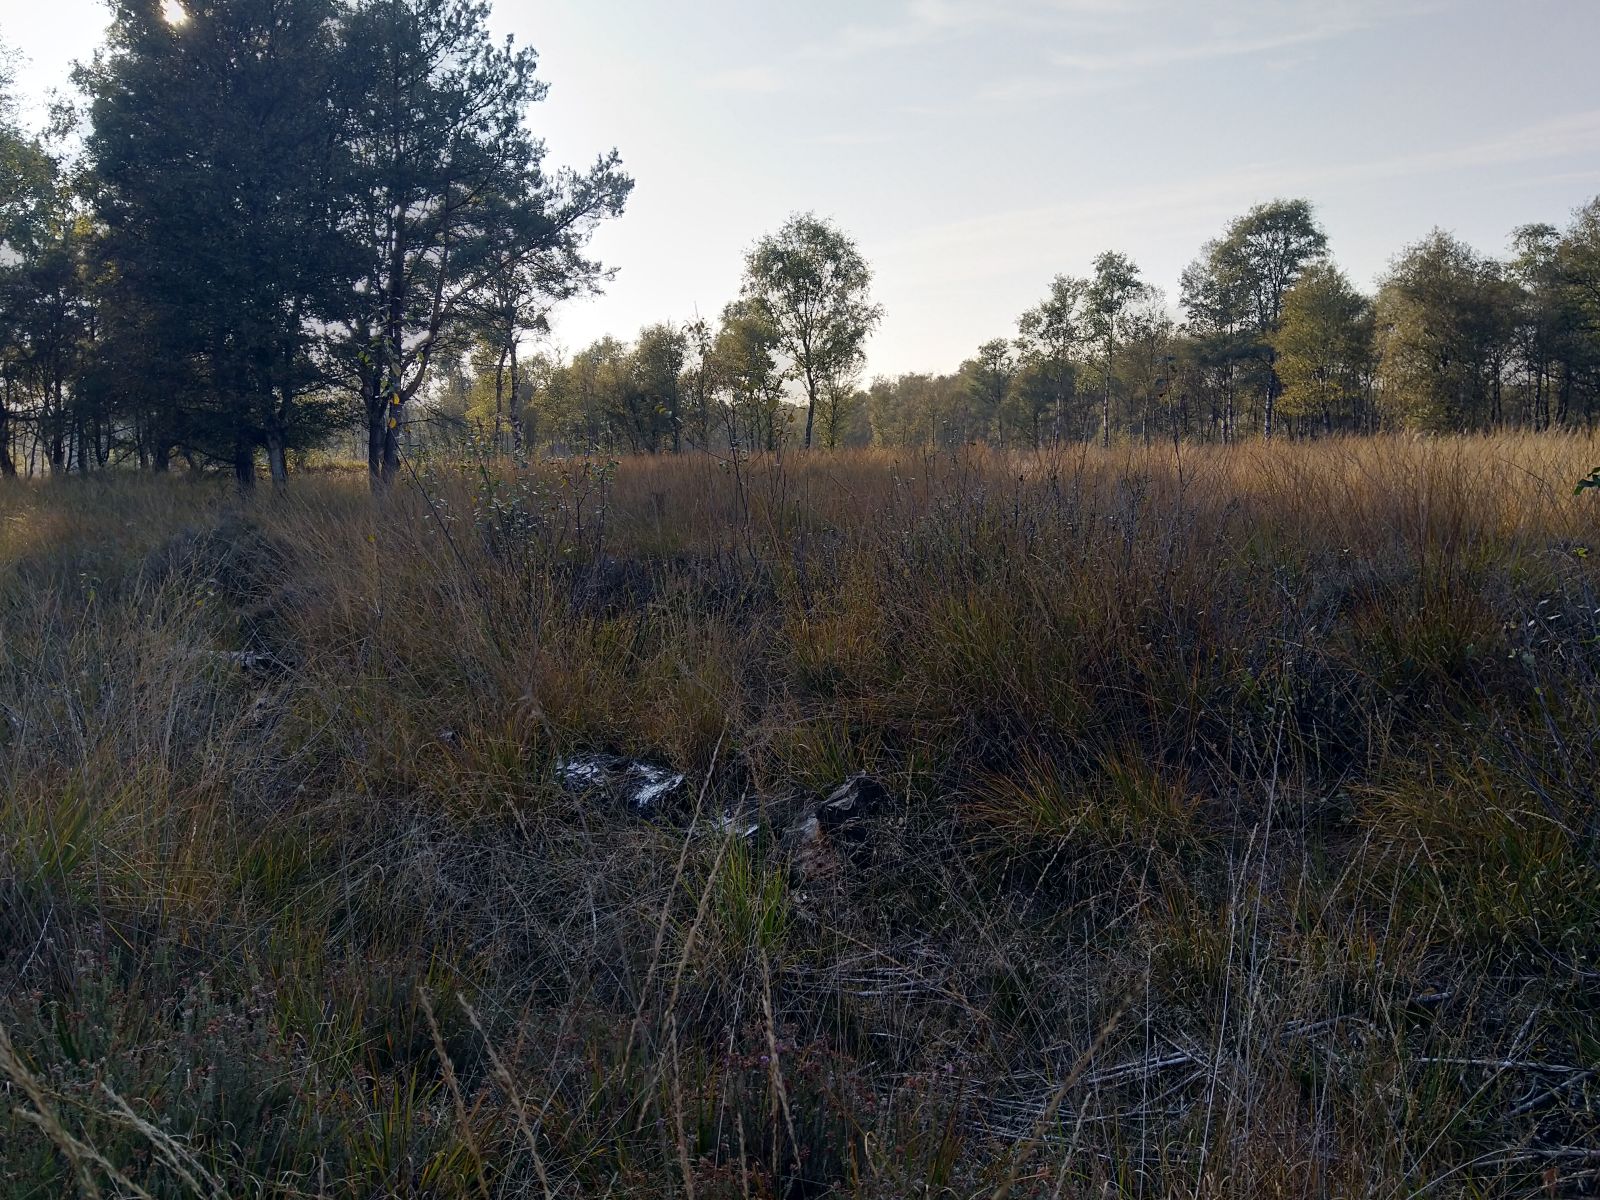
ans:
(282, 207)
(812, 286)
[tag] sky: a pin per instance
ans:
(977, 148)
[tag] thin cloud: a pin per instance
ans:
(920, 22)
(1108, 39)
(1527, 182)
(992, 242)
(1575, 135)
(923, 21)
(1146, 58)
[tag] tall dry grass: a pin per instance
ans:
(1240, 831)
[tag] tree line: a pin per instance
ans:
(1270, 339)
(276, 218)
(780, 365)
(273, 220)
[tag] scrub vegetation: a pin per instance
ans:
(1221, 821)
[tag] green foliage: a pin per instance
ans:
(1263, 253)
(454, 218)
(989, 377)
(1324, 349)
(811, 286)
(219, 177)
(281, 206)
(745, 370)
(1111, 294)
(1050, 337)
(44, 271)
(919, 411)
(1444, 331)
(1236, 292)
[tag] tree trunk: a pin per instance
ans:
(389, 404)
(499, 393)
(702, 394)
(377, 415)
(375, 450)
(811, 406)
(244, 466)
(514, 405)
(391, 441)
(1105, 408)
(8, 465)
(277, 464)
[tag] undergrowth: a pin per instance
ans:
(1234, 830)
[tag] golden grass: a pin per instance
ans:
(1241, 831)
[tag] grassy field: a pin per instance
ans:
(1229, 829)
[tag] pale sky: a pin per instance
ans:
(976, 148)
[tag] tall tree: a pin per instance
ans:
(530, 267)
(1324, 349)
(598, 386)
(29, 190)
(1253, 266)
(1218, 327)
(1445, 316)
(1147, 362)
(842, 412)
(656, 398)
(1112, 293)
(699, 378)
(1050, 336)
(54, 320)
(746, 368)
(1539, 326)
(989, 375)
(1578, 268)
(1579, 261)
(451, 194)
(216, 171)
(813, 287)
